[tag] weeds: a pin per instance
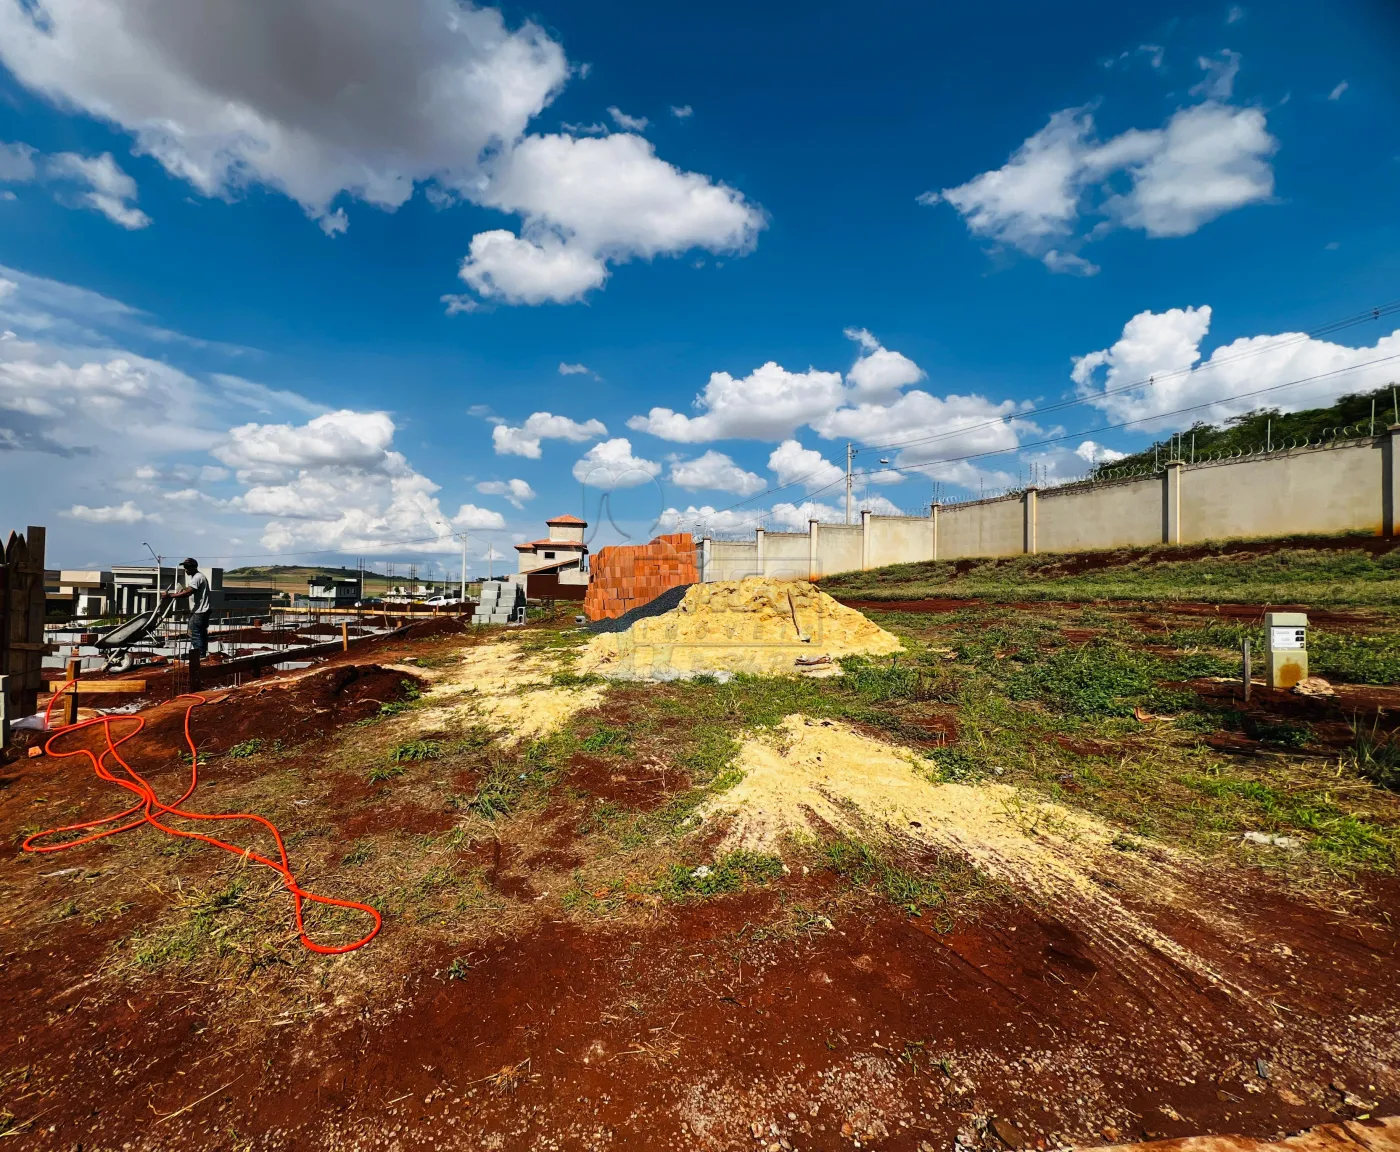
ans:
(866, 867)
(729, 873)
(416, 750)
(1098, 679)
(246, 750)
(1376, 755)
(383, 772)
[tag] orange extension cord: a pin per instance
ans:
(149, 807)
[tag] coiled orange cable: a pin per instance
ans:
(150, 806)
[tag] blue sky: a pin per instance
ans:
(301, 286)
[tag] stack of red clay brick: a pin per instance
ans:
(625, 576)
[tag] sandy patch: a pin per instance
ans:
(814, 772)
(504, 688)
(755, 625)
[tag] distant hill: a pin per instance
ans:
(295, 577)
(1255, 429)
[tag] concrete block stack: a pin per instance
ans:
(626, 576)
(502, 602)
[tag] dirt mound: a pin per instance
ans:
(290, 712)
(755, 625)
(438, 626)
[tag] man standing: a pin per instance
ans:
(197, 590)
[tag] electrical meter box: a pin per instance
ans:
(1286, 648)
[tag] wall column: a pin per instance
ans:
(1390, 497)
(812, 528)
(1031, 511)
(758, 555)
(1171, 503)
(933, 515)
(706, 573)
(864, 539)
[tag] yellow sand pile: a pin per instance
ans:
(756, 625)
(815, 773)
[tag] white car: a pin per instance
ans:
(442, 601)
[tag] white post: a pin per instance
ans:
(812, 572)
(864, 539)
(934, 517)
(464, 567)
(758, 552)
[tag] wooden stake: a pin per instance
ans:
(1247, 673)
(345, 635)
(70, 702)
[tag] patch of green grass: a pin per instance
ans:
(1343, 839)
(412, 698)
(942, 885)
(569, 679)
(729, 873)
(605, 739)
(210, 919)
(361, 852)
(246, 750)
(1098, 679)
(886, 679)
(416, 750)
(382, 772)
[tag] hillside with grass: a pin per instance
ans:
(1361, 413)
(1359, 571)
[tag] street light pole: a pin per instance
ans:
(849, 454)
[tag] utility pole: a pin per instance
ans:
(464, 567)
(849, 454)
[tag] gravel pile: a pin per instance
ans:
(668, 600)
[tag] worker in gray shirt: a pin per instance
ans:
(197, 590)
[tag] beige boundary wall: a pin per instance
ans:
(1349, 486)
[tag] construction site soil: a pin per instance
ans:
(742, 1022)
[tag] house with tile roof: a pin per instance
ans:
(556, 568)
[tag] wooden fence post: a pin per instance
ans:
(70, 701)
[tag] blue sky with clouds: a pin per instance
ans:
(331, 278)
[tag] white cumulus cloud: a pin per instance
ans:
(223, 97)
(794, 464)
(515, 491)
(1208, 159)
(612, 465)
(879, 374)
(1165, 349)
(714, 470)
(335, 483)
(593, 201)
(124, 513)
(767, 404)
(525, 439)
(363, 101)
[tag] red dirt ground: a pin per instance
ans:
(689, 1032)
(704, 1025)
